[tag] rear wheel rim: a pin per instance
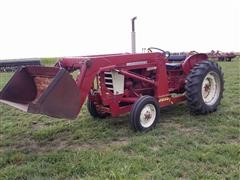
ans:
(211, 88)
(148, 115)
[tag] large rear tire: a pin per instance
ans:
(144, 114)
(204, 87)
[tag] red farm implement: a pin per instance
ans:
(139, 83)
(221, 56)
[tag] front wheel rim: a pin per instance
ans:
(148, 115)
(211, 88)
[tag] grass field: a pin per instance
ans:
(181, 146)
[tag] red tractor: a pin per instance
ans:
(115, 84)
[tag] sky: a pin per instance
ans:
(56, 28)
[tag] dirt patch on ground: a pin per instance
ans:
(37, 125)
(100, 146)
(30, 146)
(234, 141)
(183, 129)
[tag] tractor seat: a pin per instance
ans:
(173, 66)
(177, 57)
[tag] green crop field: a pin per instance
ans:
(181, 146)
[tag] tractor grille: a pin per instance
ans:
(108, 80)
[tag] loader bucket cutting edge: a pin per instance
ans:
(43, 90)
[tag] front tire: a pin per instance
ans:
(204, 87)
(144, 114)
(92, 109)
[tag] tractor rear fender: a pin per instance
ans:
(192, 60)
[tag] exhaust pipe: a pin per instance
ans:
(133, 36)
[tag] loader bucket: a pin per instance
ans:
(43, 90)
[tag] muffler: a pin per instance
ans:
(43, 90)
(133, 36)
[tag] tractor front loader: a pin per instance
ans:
(115, 84)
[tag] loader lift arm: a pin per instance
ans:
(123, 64)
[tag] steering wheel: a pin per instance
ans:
(166, 53)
